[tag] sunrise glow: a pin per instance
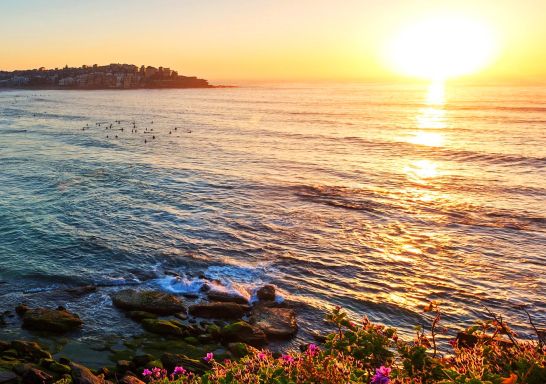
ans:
(442, 47)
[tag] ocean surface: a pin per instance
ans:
(377, 198)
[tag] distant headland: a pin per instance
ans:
(112, 76)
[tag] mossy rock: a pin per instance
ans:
(154, 364)
(141, 315)
(171, 360)
(239, 349)
(149, 301)
(51, 320)
(164, 327)
(214, 330)
(30, 350)
(125, 354)
(244, 332)
(58, 367)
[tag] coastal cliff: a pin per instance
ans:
(112, 76)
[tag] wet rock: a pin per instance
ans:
(81, 291)
(58, 367)
(142, 360)
(51, 320)
(229, 297)
(4, 345)
(164, 327)
(266, 293)
(8, 377)
(219, 310)
(123, 366)
(130, 379)
(181, 316)
(21, 309)
(83, 375)
(239, 349)
(36, 376)
(171, 360)
(30, 350)
(141, 315)
(279, 323)
(244, 332)
(149, 301)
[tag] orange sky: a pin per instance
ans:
(258, 40)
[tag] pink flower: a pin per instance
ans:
(146, 372)
(209, 357)
(261, 356)
(312, 349)
(287, 358)
(158, 372)
(179, 371)
(381, 375)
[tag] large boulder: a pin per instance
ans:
(51, 320)
(83, 375)
(219, 310)
(245, 333)
(160, 303)
(277, 323)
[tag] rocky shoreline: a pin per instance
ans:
(176, 331)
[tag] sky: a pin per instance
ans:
(282, 40)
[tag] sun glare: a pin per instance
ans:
(441, 48)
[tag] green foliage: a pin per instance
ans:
(372, 353)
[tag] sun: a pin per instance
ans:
(442, 47)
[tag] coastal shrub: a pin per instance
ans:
(487, 353)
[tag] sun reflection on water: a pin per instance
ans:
(431, 117)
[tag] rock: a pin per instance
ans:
(83, 375)
(239, 349)
(8, 377)
(30, 350)
(149, 301)
(154, 364)
(58, 367)
(164, 327)
(123, 366)
(229, 297)
(80, 291)
(244, 332)
(277, 323)
(219, 310)
(44, 319)
(36, 376)
(171, 360)
(266, 293)
(21, 309)
(129, 379)
(181, 316)
(141, 315)
(142, 360)
(4, 345)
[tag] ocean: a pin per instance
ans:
(377, 198)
